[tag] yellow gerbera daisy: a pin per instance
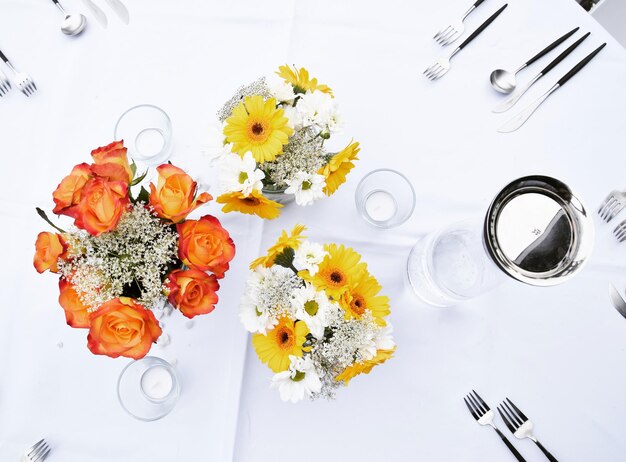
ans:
(363, 295)
(301, 81)
(339, 267)
(254, 204)
(259, 127)
(338, 167)
(364, 367)
(285, 240)
(275, 347)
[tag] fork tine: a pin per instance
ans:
(39, 451)
(608, 205)
(519, 413)
(31, 85)
(516, 419)
(441, 32)
(614, 210)
(41, 457)
(509, 414)
(481, 400)
(428, 69)
(506, 420)
(479, 408)
(452, 38)
(605, 203)
(36, 446)
(446, 37)
(469, 406)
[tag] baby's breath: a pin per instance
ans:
(133, 257)
(258, 87)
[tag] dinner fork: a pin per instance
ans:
(484, 416)
(21, 80)
(5, 85)
(37, 453)
(612, 205)
(620, 231)
(442, 65)
(450, 33)
(520, 426)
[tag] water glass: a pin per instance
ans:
(385, 198)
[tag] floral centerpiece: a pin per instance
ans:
(272, 144)
(316, 315)
(126, 255)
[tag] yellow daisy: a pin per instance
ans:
(363, 295)
(259, 127)
(275, 347)
(338, 269)
(254, 204)
(338, 167)
(285, 240)
(364, 367)
(301, 81)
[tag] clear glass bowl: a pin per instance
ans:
(385, 198)
(147, 133)
(148, 389)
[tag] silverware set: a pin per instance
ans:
(515, 420)
(22, 81)
(614, 203)
(37, 452)
(442, 65)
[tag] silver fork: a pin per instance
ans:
(21, 80)
(484, 416)
(450, 33)
(612, 205)
(37, 453)
(520, 426)
(620, 231)
(442, 65)
(5, 85)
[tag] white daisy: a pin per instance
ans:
(294, 118)
(252, 318)
(216, 148)
(299, 381)
(313, 308)
(307, 187)
(320, 109)
(308, 256)
(384, 339)
(240, 174)
(280, 90)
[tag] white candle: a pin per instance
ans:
(380, 206)
(157, 382)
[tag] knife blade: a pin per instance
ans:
(616, 299)
(118, 7)
(97, 12)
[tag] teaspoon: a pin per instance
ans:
(504, 81)
(73, 24)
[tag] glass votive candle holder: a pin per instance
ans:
(148, 389)
(385, 198)
(147, 133)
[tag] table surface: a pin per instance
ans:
(559, 352)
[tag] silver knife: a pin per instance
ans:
(97, 12)
(519, 120)
(514, 98)
(617, 300)
(120, 10)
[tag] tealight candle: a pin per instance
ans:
(380, 206)
(157, 382)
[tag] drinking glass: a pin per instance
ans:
(147, 133)
(385, 198)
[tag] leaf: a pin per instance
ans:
(133, 169)
(285, 258)
(139, 179)
(143, 196)
(43, 215)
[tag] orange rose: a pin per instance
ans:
(101, 205)
(111, 162)
(67, 194)
(76, 313)
(173, 196)
(122, 327)
(192, 291)
(49, 247)
(205, 245)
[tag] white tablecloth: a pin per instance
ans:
(559, 353)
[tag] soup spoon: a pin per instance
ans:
(73, 24)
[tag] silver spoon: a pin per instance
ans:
(73, 24)
(504, 81)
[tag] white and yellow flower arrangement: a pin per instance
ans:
(271, 142)
(316, 315)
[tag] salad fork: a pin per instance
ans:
(520, 426)
(442, 65)
(484, 416)
(36, 453)
(620, 232)
(450, 33)
(21, 80)
(612, 205)
(5, 85)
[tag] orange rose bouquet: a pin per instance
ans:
(127, 255)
